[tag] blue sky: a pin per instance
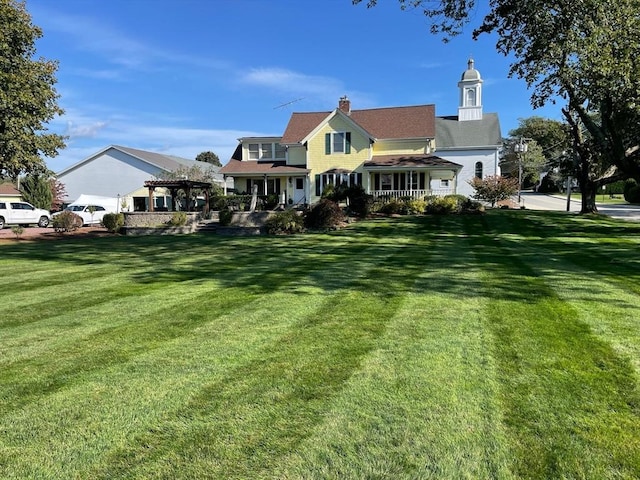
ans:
(185, 76)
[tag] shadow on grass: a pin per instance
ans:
(364, 254)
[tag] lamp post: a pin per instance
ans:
(521, 149)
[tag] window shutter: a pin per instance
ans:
(327, 144)
(358, 179)
(347, 147)
(318, 184)
(277, 186)
(248, 186)
(421, 181)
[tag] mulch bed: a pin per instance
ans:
(37, 233)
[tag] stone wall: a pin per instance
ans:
(250, 219)
(155, 219)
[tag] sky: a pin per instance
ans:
(185, 76)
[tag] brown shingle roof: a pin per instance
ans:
(382, 123)
(8, 189)
(238, 167)
(404, 161)
(300, 125)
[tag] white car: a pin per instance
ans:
(90, 214)
(22, 213)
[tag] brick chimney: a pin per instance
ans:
(345, 105)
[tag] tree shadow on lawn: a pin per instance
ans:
(385, 256)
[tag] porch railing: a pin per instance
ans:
(417, 194)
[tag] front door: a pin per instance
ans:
(298, 190)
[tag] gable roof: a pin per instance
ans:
(452, 134)
(380, 123)
(168, 163)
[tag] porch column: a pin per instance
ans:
(224, 187)
(410, 182)
(151, 189)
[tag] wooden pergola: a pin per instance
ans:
(174, 185)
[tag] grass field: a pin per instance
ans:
(501, 346)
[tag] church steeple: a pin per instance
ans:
(470, 85)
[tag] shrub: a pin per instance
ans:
(472, 207)
(394, 207)
(113, 221)
(492, 189)
(616, 188)
(225, 217)
(178, 219)
(442, 206)
(416, 207)
(459, 199)
(632, 191)
(17, 230)
(550, 184)
(633, 194)
(325, 214)
(66, 221)
(287, 221)
(359, 201)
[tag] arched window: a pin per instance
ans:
(479, 169)
(471, 97)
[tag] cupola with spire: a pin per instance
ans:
(470, 85)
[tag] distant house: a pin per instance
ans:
(394, 151)
(117, 171)
(9, 193)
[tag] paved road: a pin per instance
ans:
(541, 201)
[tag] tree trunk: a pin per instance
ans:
(589, 191)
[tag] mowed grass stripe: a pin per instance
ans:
(267, 308)
(424, 403)
(558, 376)
(268, 405)
(110, 408)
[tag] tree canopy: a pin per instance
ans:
(583, 52)
(28, 99)
(209, 157)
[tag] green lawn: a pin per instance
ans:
(500, 346)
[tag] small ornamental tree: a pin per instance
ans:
(493, 189)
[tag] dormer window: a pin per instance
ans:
(266, 151)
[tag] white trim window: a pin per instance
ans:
(266, 151)
(337, 142)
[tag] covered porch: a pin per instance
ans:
(290, 183)
(414, 176)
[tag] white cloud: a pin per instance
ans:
(115, 46)
(288, 81)
(87, 130)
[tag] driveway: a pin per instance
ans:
(542, 201)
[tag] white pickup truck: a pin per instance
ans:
(22, 213)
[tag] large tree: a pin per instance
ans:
(209, 157)
(28, 99)
(585, 53)
(37, 189)
(547, 142)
